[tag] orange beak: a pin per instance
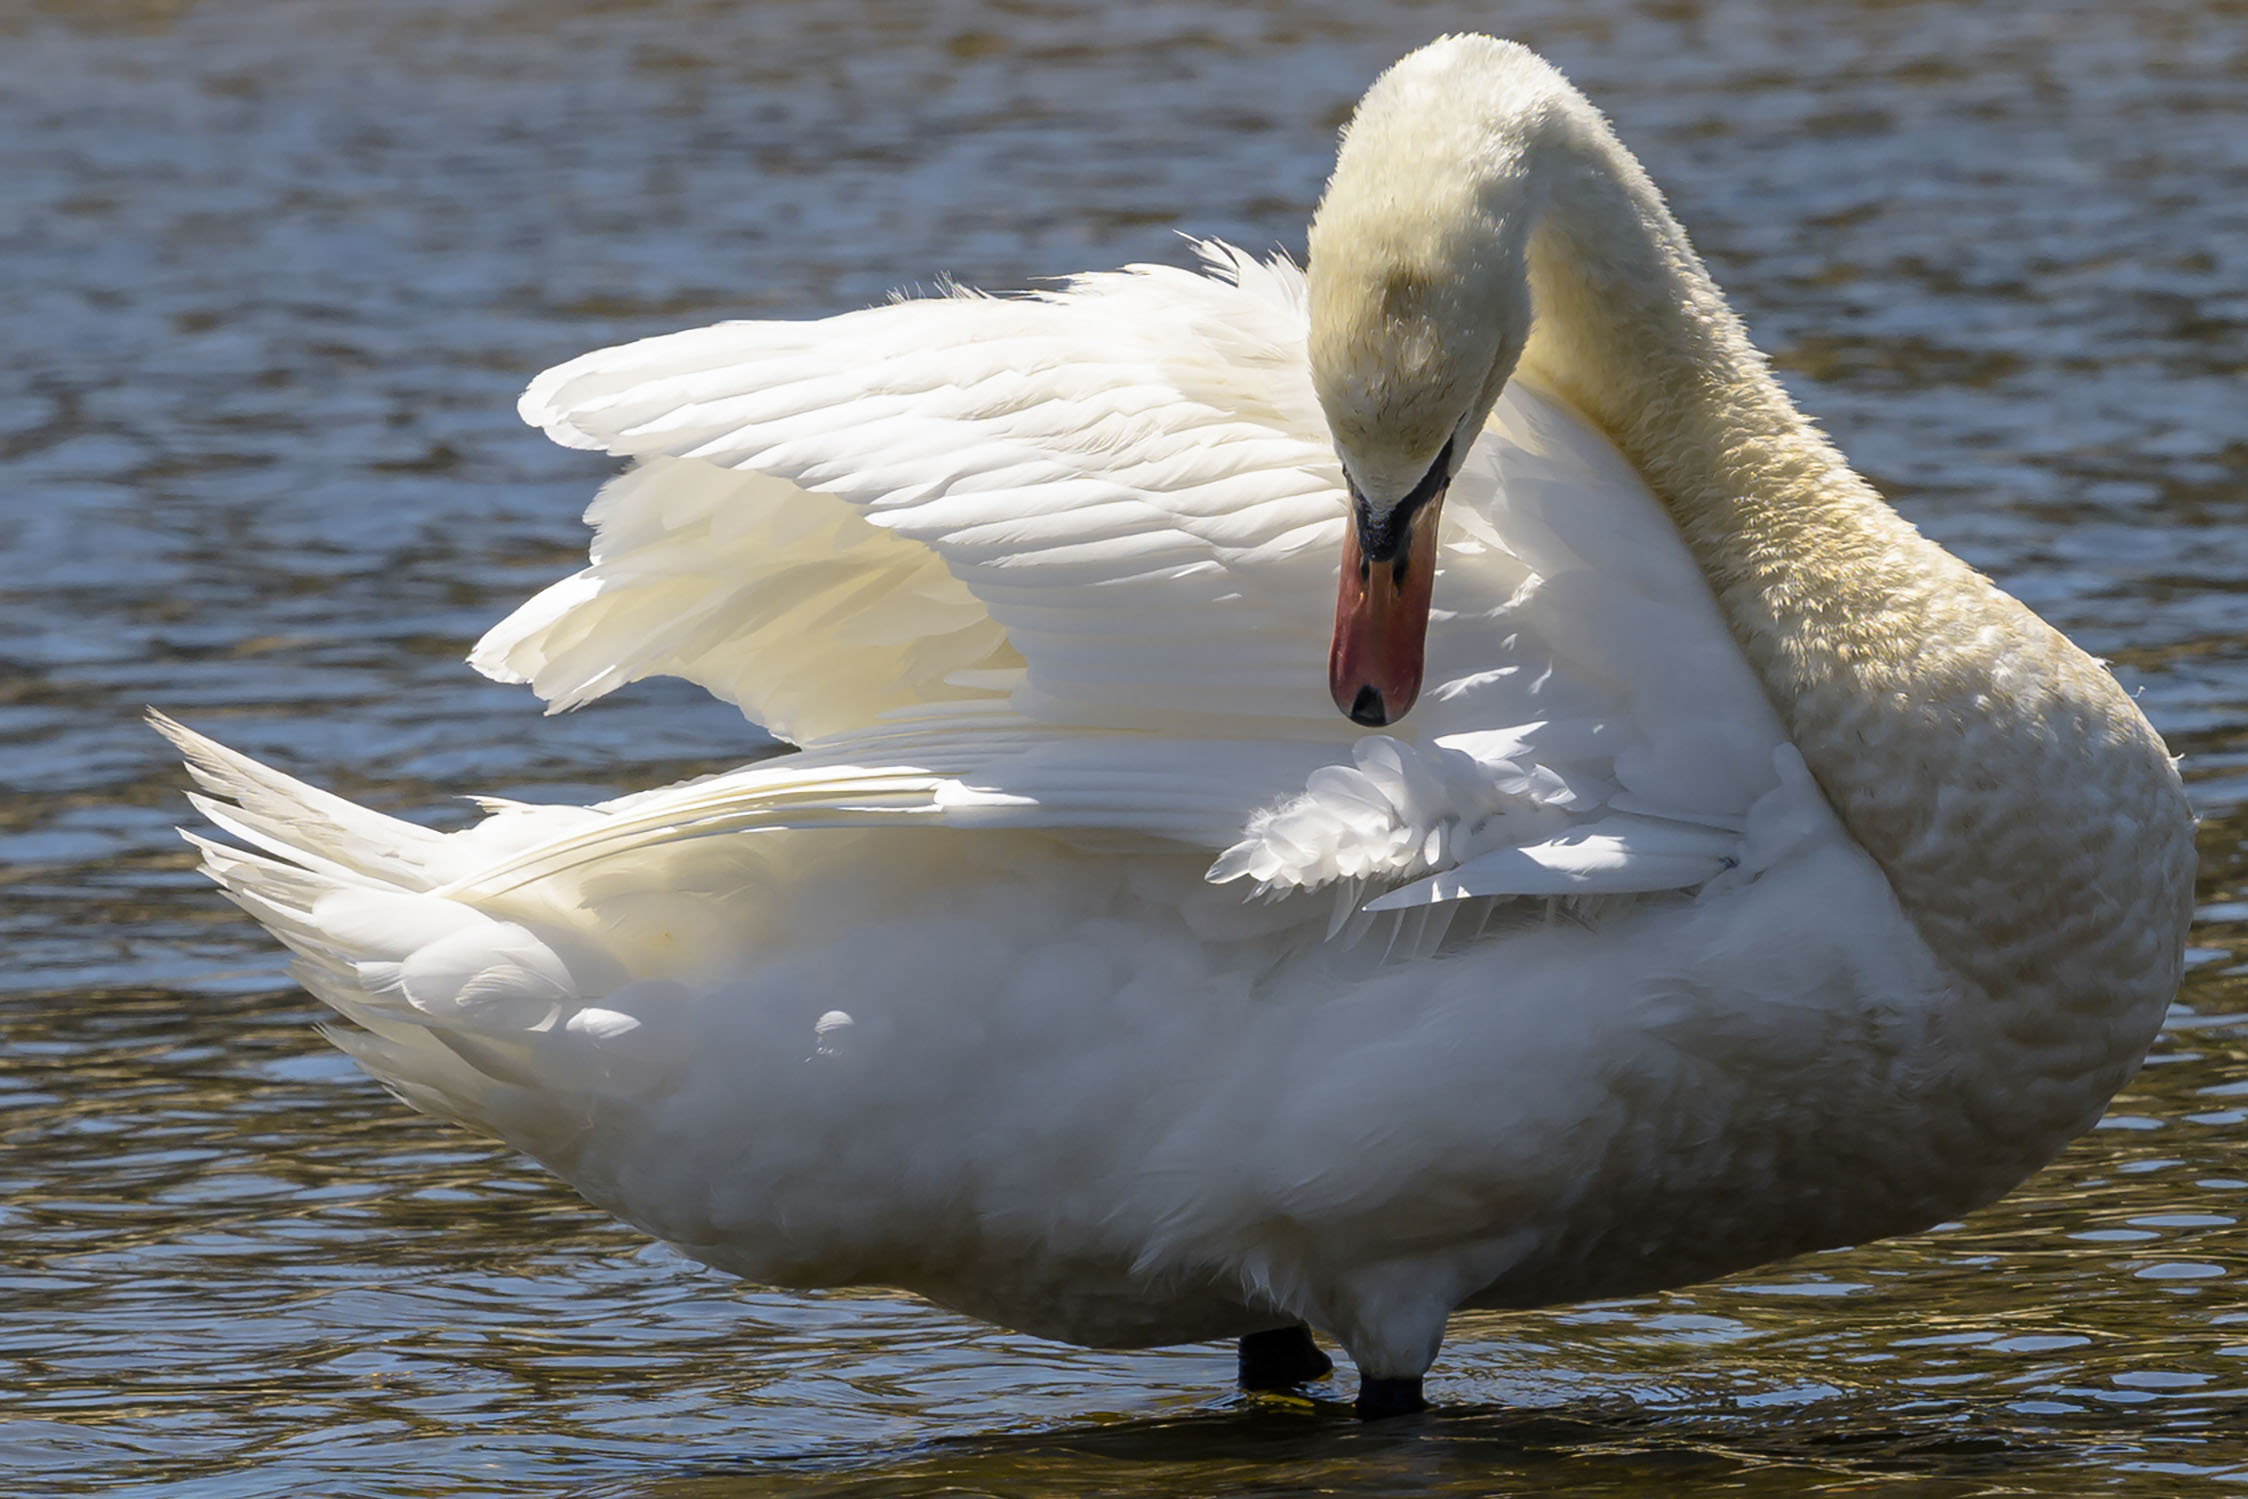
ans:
(1381, 618)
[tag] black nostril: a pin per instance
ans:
(1366, 708)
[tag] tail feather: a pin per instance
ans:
(285, 886)
(457, 1011)
(283, 815)
(263, 832)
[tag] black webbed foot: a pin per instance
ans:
(1282, 1359)
(1382, 1398)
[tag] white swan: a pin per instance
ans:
(1752, 877)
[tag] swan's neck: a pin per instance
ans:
(2027, 816)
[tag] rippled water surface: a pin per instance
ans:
(270, 277)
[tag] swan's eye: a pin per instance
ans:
(1383, 540)
(1432, 483)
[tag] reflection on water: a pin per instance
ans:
(277, 270)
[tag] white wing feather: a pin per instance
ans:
(1067, 562)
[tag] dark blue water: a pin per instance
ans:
(270, 277)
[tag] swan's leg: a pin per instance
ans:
(1390, 1318)
(1281, 1359)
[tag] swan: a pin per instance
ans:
(1702, 868)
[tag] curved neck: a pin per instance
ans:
(2026, 815)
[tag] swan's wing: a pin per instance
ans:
(1068, 562)
(1111, 505)
(786, 603)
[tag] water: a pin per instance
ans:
(273, 274)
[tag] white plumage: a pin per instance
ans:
(1084, 969)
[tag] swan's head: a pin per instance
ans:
(1419, 310)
